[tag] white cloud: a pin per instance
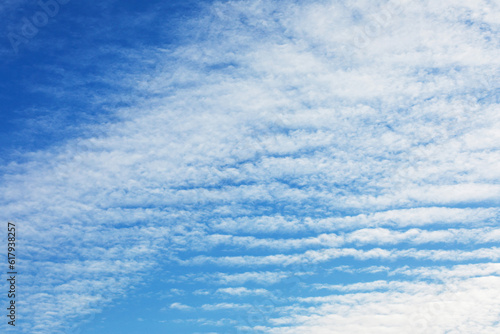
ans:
(242, 291)
(222, 306)
(461, 306)
(258, 277)
(314, 257)
(274, 130)
(180, 306)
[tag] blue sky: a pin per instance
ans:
(253, 166)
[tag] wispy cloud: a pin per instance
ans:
(264, 139)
